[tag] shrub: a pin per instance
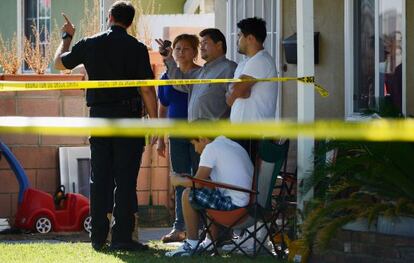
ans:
(38, 55)
(10, 60)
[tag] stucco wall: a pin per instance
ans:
(8, 18)
(73, 9)
(8, 14)
(330, 70)
(410, 57)
(220, 15)
(167, 6)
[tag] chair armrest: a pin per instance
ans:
(208, 183)
(287, 174)
(291, 177)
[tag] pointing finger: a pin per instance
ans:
(66, 18)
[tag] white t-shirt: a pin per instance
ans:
(263, 97)
(230, 164)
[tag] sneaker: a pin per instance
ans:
(174, 236)
(184, 250)
(205, 244)
(247, 246)
(98, 246)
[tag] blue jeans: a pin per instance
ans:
(183, 160)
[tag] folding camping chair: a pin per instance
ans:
(271, 157)
(284, 209)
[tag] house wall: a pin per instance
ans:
(220, 12)
(8, 18)
(73, 9)
(330, 71)
(410, 57)
(39, 154)
(160, 25)
(168, 6)
(165, 6)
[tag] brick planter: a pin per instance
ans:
(366, 247)
(41, 77)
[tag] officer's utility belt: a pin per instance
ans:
(132, 102)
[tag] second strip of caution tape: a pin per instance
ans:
(376, 130)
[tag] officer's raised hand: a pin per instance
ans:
(68, 29)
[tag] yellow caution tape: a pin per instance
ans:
(100, 84)
(376, 130)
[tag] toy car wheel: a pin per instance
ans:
(87, 225)
(43, 225)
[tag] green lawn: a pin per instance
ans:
(82, 252)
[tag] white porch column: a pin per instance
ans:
(103, 14)
(306, 99)
(206, 6)
(20, 32)
(190, 6)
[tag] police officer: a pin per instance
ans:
(112, 55)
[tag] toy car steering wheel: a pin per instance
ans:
(59, 196)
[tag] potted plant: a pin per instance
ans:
(36, 56)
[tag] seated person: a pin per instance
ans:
(222, 160)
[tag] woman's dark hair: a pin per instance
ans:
(253, 26)
(191, 39)
(216, 36)
(123, 12)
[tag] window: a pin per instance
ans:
(37, 13)
(390, 52)
(364, 92)
(75, 167)
(374, 55)
(240, 9)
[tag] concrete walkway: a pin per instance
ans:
(4, 224)
(145, 235)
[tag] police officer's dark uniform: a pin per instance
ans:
(113, 55)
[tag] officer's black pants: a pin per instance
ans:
(115, 164)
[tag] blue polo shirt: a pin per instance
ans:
(176, 101)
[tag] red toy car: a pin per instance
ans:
(40, 212)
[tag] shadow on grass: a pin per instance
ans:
(157, 250)
(42, 251)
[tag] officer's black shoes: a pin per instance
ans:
(128, 246)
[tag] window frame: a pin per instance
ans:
(349, 53)
(21, 25)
